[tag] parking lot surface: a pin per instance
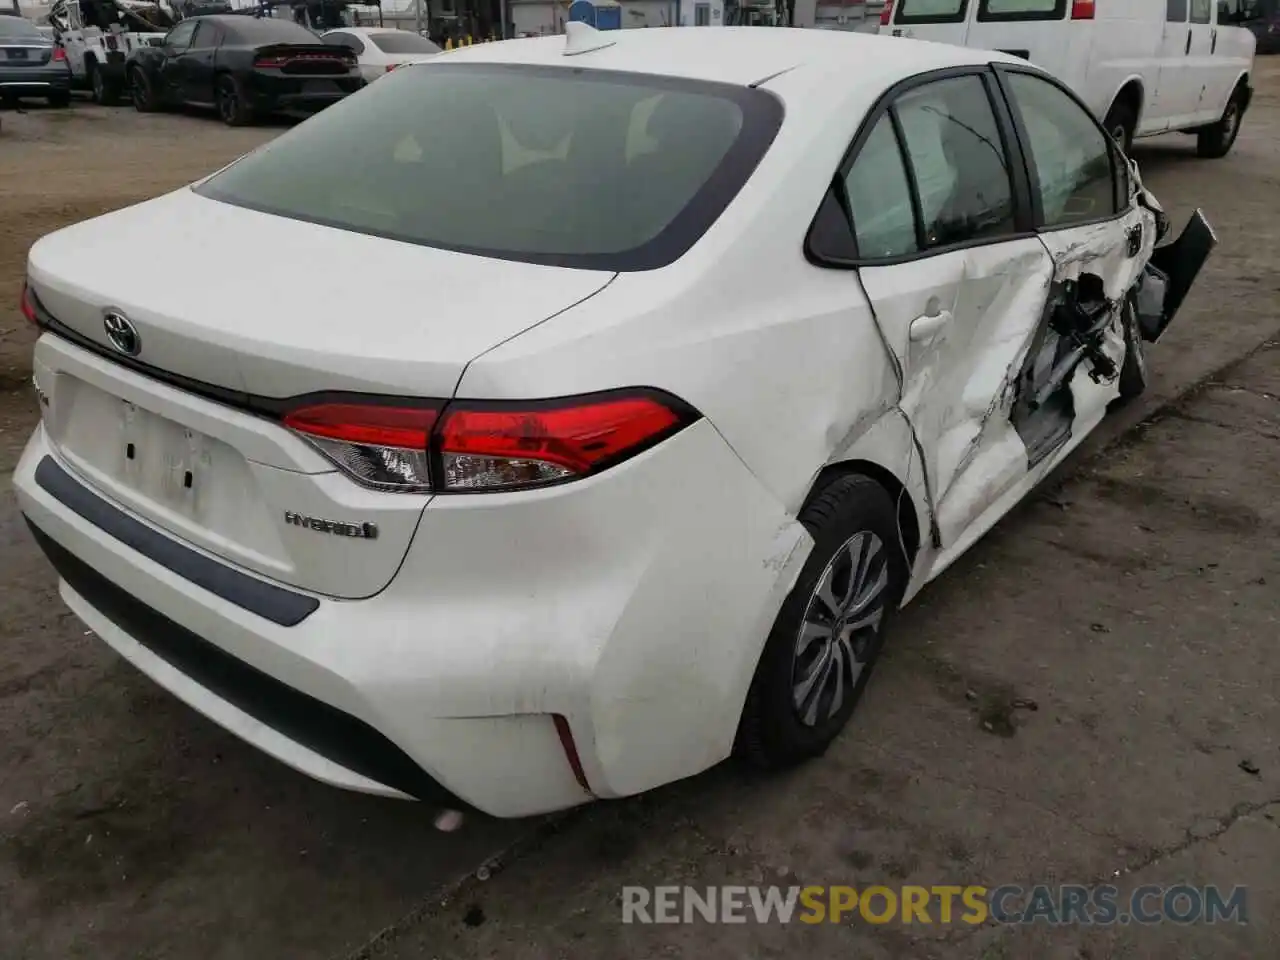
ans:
(1090, 695)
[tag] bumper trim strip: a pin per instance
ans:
(280, 606)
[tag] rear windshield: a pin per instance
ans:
(402, 41)
(266, 30)
(557, 165)
(989, 10)
(17, 28)
(930, 11)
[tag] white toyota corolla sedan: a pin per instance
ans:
(683, 359)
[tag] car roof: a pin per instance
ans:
(740, 55)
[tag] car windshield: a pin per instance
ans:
(402, 41)
(554, 165)
(16, 28)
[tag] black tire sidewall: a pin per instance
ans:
(140, 90)
(1121, 114)
(1133, 372)
(1213, 142)
(771, 735)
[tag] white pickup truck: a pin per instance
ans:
(99, 35)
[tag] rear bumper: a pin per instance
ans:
(294, 95)
(34, 81)
(633, 605)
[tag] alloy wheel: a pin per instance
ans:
(840, 627)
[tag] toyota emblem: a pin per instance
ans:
(122, 334)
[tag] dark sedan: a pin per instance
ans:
(243, 66)
(31, 65)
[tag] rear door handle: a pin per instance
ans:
(1188, 50)
(927, 327)
(1213, 45)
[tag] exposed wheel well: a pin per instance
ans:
(1131, 96)
(1245, 87)
(908, 521)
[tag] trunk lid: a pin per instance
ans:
(251, 304)
(22, 53)
(278, 308)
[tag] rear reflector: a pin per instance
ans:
(485, 446)
(886, 14)
(28, 305)
(1082, 9)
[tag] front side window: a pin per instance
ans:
(1071, 156)
(879, 195)
(989, 10)
(930, 11)
(559, 165)
(958, 159)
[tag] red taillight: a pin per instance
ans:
(392, 66)
(29, 305)
(1082, 9)
(485, 445)
(499, 445)
(59, 54)
(886, 14)
(270, 63)
(376, 444)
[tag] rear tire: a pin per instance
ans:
(106, 92)
(818, 659)
(233, 109)
(1121, 123)
(1216, 141)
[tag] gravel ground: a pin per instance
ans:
(1134, 601)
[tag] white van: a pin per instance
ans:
(1143, 66)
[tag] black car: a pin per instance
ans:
(246, 67)
(31, 65)
(1262, 17)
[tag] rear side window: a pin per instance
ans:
(1072, 157)
(1175, 11)
(1201, 11)
(958, 160)
(930, 11)
(565, 166)
(995, 10)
